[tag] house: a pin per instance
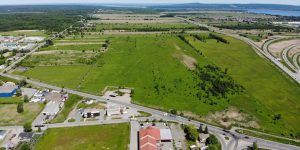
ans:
(149, 138)
(115, 110)
(8, 89)
(152, 138)
(193, 147)
(52, 108)
(203, 137)
(26, 136)
(2, 134)
(90, 113)
(165, 135)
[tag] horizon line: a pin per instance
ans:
(134, 3)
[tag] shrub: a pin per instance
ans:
(20, 108)
(27, 127)
(211, 140)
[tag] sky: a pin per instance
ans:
(290, 2)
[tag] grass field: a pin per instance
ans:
(10, 100)
(73, 47)
(146, 62)
(100, 137)
(10, 116)
(145, 26)
(68, 76)
(274, 92)
(55, 58)
(25, 32)
(68, 107)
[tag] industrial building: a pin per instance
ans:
(8, 89)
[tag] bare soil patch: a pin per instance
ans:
(293, 51)
(188, 61)
(230, 117)
(277, 48)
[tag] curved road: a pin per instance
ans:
(296, 60)
(284, 55)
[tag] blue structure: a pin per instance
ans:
(8, 91)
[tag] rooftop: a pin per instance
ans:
(165, 134)
(7, 89)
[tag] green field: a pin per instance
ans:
(73, 47)
(10, 117)
(10, 100)
(274, 92)
(25, 32)
(100, 137)
(150, 64)
(145, 26)
(69, 76)
(66, 57)
(68, 107)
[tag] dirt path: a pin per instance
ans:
(188, 61)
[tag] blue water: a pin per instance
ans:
(275, 12)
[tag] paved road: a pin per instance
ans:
(285, 56)
(134, 128)
(22, 58)
(296, 60)
(87, 123)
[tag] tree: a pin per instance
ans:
(25, 146)
(26, 99)
(27, 127)
(18, 93)
(255, 147)
(20, 108)
(173, 111)
(200, 129)
(212, 147)
(22, 83)
(211, 140)
(49, 42)
(206, 130)
(191, 132)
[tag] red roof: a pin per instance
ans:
(149, 137)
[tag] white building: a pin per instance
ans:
(115, 110)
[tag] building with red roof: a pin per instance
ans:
(149, 138)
